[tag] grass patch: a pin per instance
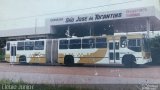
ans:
(21, 85)
(6, 81)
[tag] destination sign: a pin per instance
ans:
(102, 16)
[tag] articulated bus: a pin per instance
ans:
(128, 50)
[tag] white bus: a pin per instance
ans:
(129, 50)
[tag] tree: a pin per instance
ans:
(155, 42)
(2, 42)
(155, 49)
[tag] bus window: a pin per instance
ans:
(116, 45)
(88, 43)
(39, 45)
(117, 56)
(29, 45)
(123, 41)
(20, 46)
(111, 45)
(134, 44)
(111, 56)
(101, 43)
(75, 44)
(63, 44)
(8, 46)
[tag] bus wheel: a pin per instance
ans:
(69, 60)
(129, 61)
(22, 59)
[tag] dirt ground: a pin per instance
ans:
(87, 74)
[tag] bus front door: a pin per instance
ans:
(114, 57)
(13, 54)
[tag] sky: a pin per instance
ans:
(24, 8)
(15, 13)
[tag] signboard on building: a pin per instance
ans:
(103, 16)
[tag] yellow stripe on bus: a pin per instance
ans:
(100, 53)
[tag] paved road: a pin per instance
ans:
(88, 74)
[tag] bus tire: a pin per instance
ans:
(69, 60)
(22, 59)
(129, 61)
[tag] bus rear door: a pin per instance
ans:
(13, 53)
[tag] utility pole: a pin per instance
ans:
(148, 26)
(35, 29)
(68, 32)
